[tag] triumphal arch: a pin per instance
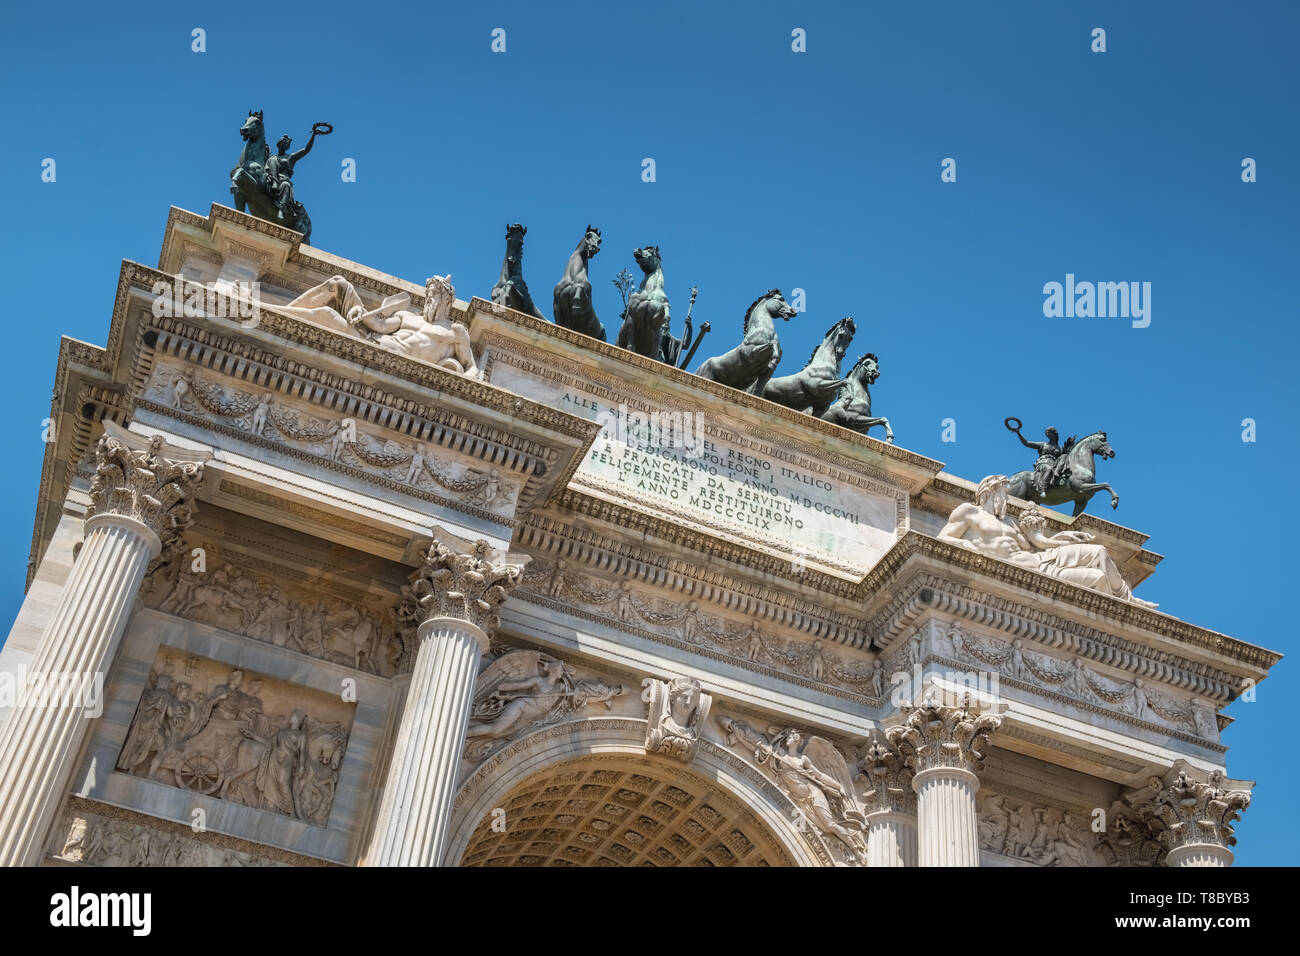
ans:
(372, 575)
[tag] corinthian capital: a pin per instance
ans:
(145, 479)
(461, 580)
(1194, 808)
(888, 776)
(939, 735)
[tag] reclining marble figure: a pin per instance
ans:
(1067, 555)
(430, 336)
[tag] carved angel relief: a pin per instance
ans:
(678, 709)
(522, 690)
(816, 778)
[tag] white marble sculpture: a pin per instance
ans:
(1068, 555)
(677, 711)
(430, 336)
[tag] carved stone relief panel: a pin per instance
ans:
(1078, 680)
(90, 838)
(273, 417)
(1042, 835)
(329, 621)
(689, 624)
(817, 778)
(520, 690)
(204, 726)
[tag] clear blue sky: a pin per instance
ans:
(817, 170)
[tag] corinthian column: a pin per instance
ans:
(890, 807)
(142, 498)
(451, 609)
(1196, 812)
(945, 746)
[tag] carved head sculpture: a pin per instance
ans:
(296, 719)
(235, 679)
(1052, 435)
(327, 748)
(283, 144)
(438, 298)
(552, 669)
(682, 698)
(647, 257)
(991, 495)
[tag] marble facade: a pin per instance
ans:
(354, 600)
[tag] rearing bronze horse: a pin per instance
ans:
(511, 290)
(749, 366)
(814, 388)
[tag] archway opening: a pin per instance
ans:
(612, 810)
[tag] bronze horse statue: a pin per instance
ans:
(573, 308)
(248, 181)
(814, 387)
(852, 409)
(749, 366)
(511, 290)
(1079, 485)
(647, 313)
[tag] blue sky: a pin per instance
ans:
(818, 170)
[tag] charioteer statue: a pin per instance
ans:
(1051, 465)
(263, 184)
(1062, 472)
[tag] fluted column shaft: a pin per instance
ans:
(891, 839)
(141, 501)
(411, 829)
(946, 818)
(43, 738)
(450, 608)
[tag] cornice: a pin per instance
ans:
(936, 590)
(225, 333)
